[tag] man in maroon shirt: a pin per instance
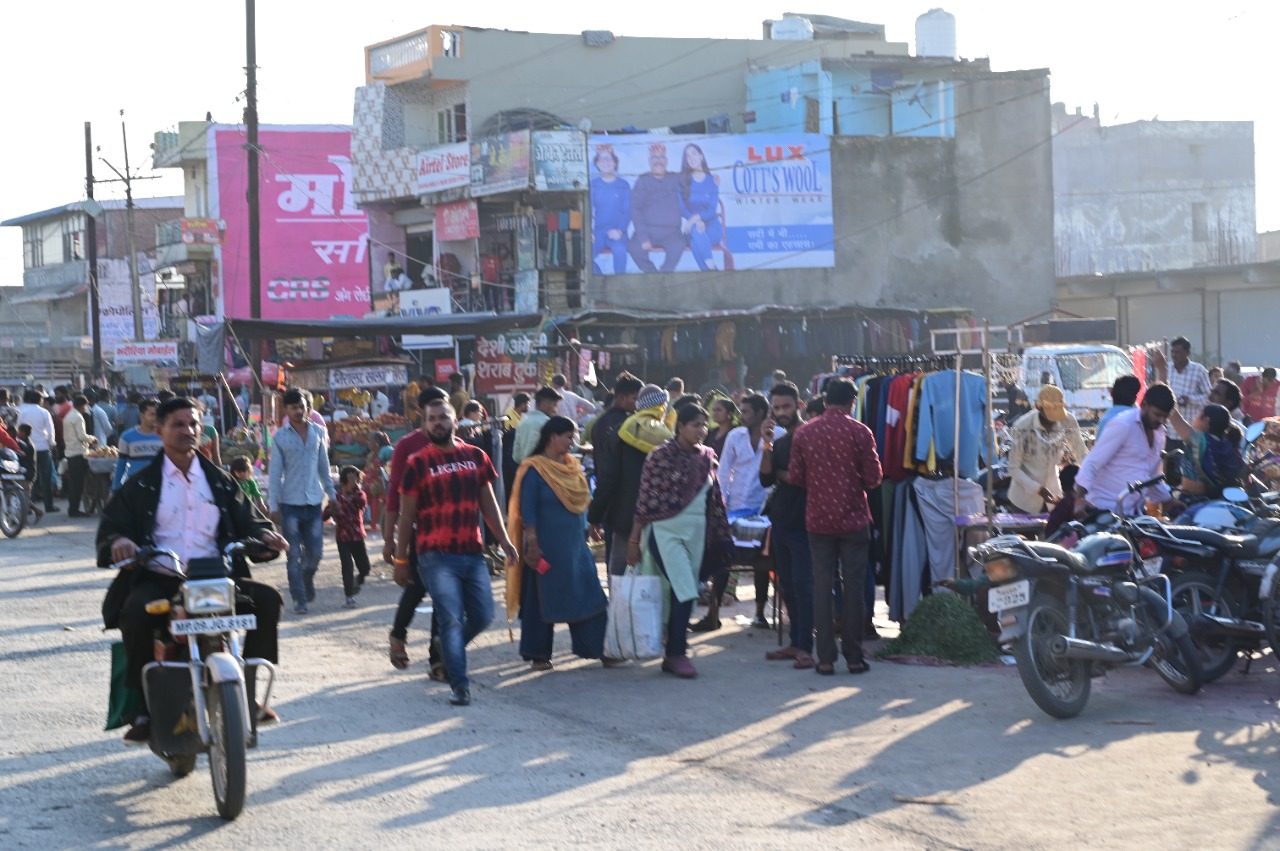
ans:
(834, 458)
(446, 488)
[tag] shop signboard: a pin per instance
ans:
(364, 377)
(527, 291)
(115, 301)
(559, 160)
(151, 353)
(432, 302)
(315, 240)
(201, 231)
(761, 201)
(506, 363)
(500, 163)
(445, 167)
(457, 221)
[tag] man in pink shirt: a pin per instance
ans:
(1258, 395)
(834, 458)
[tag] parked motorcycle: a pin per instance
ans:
(195, 689)
(14, 506)
(1071, 615)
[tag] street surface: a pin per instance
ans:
(753, 754)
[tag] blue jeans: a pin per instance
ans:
(700, 242)
(463, 599)
(303, 527)
(618, 247)
(795, 578)
(44, 477)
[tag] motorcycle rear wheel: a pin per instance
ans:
(13, 509)
(1271, 618)
(1058, 686)
(1196, 593)
(1177, 661)
(227, 731)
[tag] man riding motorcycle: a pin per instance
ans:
(181, 502)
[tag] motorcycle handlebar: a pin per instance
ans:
(1141, 486)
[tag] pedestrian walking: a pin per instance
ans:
(78, 443)
(43, 440)
(298, 482)
(556, 581)
(834, 458)
(447, 487)
(347, 512)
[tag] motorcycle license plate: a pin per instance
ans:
(204, 626)
(1009, 596)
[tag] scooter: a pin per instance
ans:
(195, 690)
(13, 495)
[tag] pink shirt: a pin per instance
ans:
(187, 518)
(1256, 402)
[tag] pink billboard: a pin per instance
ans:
(315, 242)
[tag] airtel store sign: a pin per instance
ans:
(446, 167)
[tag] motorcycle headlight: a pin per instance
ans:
(209, 596)
(1000, 570)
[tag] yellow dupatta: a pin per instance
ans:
(569, 485)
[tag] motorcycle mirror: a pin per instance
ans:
(1235, 495)
(1253, 432)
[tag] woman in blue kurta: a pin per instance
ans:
(558, 582)
(700, 206)
(610, 210)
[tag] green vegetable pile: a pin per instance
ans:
(945, 627)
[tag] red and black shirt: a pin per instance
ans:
(448, 484)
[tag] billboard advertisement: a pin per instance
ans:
(457, 221)
(314, 240)
(446, 167)
(710, 203)
(507, 363)
(500, 163)
(115, 301)
(559, 161)
(432, 302)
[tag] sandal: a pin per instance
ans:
(825, 668)
(803, 661)
(782, 653)
(399, 657)
(859, 667)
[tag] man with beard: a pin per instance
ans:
(446, 488)
(655, 214)
(1128, 451)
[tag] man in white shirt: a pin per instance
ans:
(571, 405)
(78, 441)
(744, 496)
(1129, 451)
(43, 439)
(1037, 442)
(1188, 380)
(379, 404)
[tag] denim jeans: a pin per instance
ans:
(795, 578)
(462, 598)
(846, 554)
(303, 527)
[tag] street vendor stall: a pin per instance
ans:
(348, 385)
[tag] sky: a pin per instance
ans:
(67, 63)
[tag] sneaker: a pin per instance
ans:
(351, 602)
(460, 697)
(759, 622)
(140, 732)
(680, 666)
(610, 662)
(300, 609)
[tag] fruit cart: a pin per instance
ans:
(97, 482)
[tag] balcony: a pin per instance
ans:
(411, 56)
(183, 143)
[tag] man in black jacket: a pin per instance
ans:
(180, 501)
(618, 467)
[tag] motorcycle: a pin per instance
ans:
(14, 505)
(1073, 614)
(195, 689)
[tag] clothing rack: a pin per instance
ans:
(890, 362)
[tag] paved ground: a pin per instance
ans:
(751, 755)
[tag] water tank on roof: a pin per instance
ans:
(791, 28)
(936, 34)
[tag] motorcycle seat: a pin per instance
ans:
(1055, 553)
(1233, 545)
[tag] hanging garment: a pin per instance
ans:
(669, 345)
(936, 499)
(909, 555)
(938, 420)
(726, 334)
(896, 427)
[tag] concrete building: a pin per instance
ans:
(940, 168)
(45, 331)
(1151, 195)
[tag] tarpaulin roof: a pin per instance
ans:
(457, 325)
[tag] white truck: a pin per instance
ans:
(1083, 371)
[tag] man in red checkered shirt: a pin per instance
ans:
(447, 487)
(833, 457)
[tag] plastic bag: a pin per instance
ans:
(635, 616)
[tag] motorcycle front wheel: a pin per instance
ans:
(1194, 594)
(13, 509)
(227, 731)
(1271, 617)
(1058, 686)
(1177, 661)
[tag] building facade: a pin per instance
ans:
(915, 182)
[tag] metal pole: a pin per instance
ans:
(138, 334)
(91, 236)
(251, 134)
(989, 433)
(955, 454)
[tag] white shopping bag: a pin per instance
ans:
(635, 616)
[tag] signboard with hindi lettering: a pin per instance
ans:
(151, 353)
(201, 231)
(364, 377)
(506, 363)
(500, 163)
(560, 160)
(457, 221)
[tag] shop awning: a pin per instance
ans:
(456, 325)
(32, 295)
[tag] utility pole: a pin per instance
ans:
(91, 236)
(127, 179)
(251, 128)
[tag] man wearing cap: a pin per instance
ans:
(1037, 441)
(655, 214)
